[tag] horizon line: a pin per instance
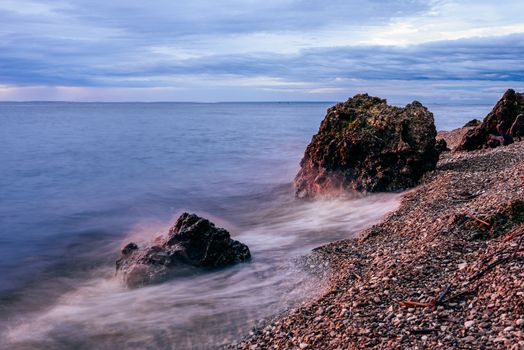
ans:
(217, 102)
(191, 102)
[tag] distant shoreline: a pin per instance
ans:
(177, 102)
(228, 102)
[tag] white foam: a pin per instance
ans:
(208, 308)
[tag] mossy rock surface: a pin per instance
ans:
(364, 144)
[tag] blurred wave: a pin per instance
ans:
(208, 309)
(79, 180)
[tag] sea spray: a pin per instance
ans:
(206, 308)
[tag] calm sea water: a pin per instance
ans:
(79, 180)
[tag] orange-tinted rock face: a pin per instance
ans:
(364, 144)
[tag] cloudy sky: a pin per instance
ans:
(457, 51)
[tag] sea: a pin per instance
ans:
(80, 180)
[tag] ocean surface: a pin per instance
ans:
(80, 180)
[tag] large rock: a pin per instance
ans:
(192, 242)
(506, 110)
(366, 145)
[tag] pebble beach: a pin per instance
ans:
(444, 271)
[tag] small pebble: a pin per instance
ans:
(469, 324)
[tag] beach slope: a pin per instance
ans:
(446, 270)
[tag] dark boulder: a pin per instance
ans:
(442, 146)
(505, 111)
(192, 242)
(365, 144)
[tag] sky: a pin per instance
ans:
(435, 51)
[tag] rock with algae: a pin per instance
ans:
(364, 144)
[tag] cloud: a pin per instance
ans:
(300, 47)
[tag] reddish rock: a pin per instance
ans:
(505, 111)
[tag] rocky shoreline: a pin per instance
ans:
(444, 271)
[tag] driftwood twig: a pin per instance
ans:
(489, 268)
(408, 303)
(477, 219)
(461, 294)
(509, 257)
(432, 303)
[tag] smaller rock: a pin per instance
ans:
(505, 111)
(469, 324)
(462, 266)
(469, 339)
(442, 146)
(192, 242)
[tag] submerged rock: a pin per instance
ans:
(192, 242)
(367, 145)
(505, 111)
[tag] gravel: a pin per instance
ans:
(444, 271)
